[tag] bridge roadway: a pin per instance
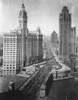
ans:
(28, 90)
(31, 87)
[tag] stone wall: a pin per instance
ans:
(62, 89)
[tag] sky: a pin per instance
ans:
(43, 13)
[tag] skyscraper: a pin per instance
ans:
(34, 46)
(40, 45)
(11, 53)
(73, 40)
(14, 51)
(65, 32)
(23, 30)
(54, 39)
(21, 47)
(31, 41)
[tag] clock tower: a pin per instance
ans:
(23, 19)
(23, 30)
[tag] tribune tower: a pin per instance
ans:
(65, 32)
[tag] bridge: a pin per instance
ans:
(29, 88)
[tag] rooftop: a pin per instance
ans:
(4, 81)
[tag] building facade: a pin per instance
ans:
(40, 46)
(34, 47)
(65, 33)
(11, 53)
(73, 40)
(21, 47)
(54, 39)
(31, 41)
(23, 31)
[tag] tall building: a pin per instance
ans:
(73, 40)
(23, 30)
(31, 42)
(54, 39)
(21, 47)
(40, 45)
(34, 47)
(65, 32)
(11, 53)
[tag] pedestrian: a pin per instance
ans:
(11, 86)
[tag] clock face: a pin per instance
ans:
(22, 14)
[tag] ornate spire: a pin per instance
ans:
(23, 6)
(23, 12)
(22, 15)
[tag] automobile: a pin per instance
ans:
(29, 72)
